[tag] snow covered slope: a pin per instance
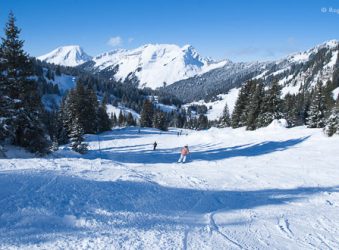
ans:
(155, 64)
(215, 108)
(306, 68)
(72, 55)
(292, 72)
(64, 83)
(266, 189)
(116, 110)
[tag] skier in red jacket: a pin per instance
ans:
(184, 153)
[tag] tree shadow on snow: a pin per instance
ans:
(202, 152)
(129, 133)
(48, 204)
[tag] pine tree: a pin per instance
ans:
(86, 105)
(202, 122)
(49, 74)
(5, 102)
(328, 95)
(58, 70)
(290, 110)
(20, 96)
(316, 114)
(225, 119)
(130, 120)
(62, 126)
(7, 107)
(159, 121)
(303, 102)
(83, 104)
(179, 118)
(121, 119)
(254, 105)
(239, 117)
(146, 117)
(104, 123)
(114, 120)
(332, 122)
(76, 137)
(271, 107)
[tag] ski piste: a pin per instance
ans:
(239, 189)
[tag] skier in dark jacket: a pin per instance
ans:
(155, 145)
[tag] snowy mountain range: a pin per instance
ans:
(191, 77)
(153, 65)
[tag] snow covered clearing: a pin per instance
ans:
(116, 110)
(64, 82)
(166, 108)
(274, 188)
(218, 106)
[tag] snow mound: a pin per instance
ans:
(277, 124)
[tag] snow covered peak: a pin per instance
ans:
(156, 64)
(305, 56)
(72, 55)
(331, 44)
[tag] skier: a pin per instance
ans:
(155, 145)
(184, 153)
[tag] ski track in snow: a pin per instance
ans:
(267, 189)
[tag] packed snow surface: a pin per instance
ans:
(274, 188)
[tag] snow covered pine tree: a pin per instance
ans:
(20, 103)
(316, 114)
(225, 119)
(76, 137)
(332, 122)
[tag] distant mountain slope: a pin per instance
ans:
(72, 55)
(191, 77)
(154, 65)
(293, 72)
(151, 65)
(214, 82)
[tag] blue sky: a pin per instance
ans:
(242, 30)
